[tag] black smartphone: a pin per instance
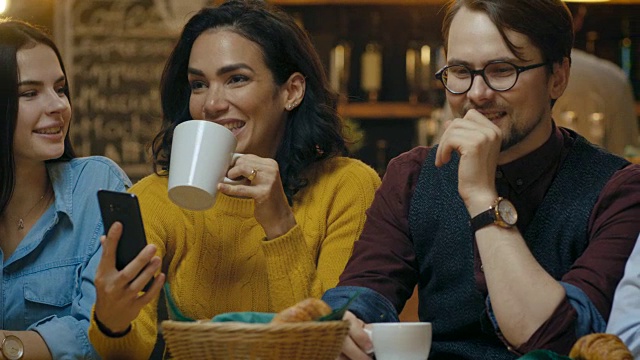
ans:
(124, 207)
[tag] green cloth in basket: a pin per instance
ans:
(245, 317)
(543, 355)
(248, 316)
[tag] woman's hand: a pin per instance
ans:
(118, 298)
(272, 211)
(358, 344)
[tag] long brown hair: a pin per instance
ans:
(313, 131)
(16, 35)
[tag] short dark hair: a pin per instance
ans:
(313, 132)
(547, 23)
(16, 35)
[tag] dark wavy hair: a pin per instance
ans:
(16, 35)
(547, 23)
(313, 131)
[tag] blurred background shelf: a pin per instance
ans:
(358, 2)
(378, 110)
(391, 2)
(384, 110)
(392, 110)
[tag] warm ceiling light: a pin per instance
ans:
(4, 4)
(587, 1)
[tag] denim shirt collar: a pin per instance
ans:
(62, 180)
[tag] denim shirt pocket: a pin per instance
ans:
(49, 295)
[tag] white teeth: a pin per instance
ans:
(54, 130)
(493, 116)
(234, 125)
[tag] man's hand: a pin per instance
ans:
(357, 344)
(478, 142)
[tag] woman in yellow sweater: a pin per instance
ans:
(263, 246)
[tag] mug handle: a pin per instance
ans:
(240, 181)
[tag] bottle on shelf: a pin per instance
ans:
(371, 62)
(340, 60)
(592, 37)
(418, 62)
(428, 128)
(297, 17)
(626, 52)
(381, 156)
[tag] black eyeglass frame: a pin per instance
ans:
(473, 73)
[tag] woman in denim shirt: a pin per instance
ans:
(50, 224)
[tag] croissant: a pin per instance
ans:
(306, 310)
(600, 347)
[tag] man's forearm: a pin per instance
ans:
(523, 295)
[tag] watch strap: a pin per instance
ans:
(483, 219)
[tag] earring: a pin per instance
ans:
(290, 106)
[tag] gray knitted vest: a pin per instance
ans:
(443, 243)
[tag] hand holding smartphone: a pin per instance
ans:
(124, 207)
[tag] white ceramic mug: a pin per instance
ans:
(201, 154)
(401, 340)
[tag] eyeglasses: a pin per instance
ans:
(498, 75)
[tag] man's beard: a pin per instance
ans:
(517, 134)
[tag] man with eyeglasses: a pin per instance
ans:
(515, 231)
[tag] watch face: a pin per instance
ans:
(507, 212)
(12, 347)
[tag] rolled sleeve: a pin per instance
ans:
(66, 337)
(369, 305)
(577, 313)
(588, 318)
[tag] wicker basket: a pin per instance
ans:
(236, 340)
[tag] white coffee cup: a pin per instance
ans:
(201, 154)
(401, 340)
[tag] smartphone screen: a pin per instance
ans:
(124, 207)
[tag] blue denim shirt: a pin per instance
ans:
(47, 283)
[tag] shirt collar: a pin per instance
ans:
(523, 172)
(61, 176)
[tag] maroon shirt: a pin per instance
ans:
(384, 260)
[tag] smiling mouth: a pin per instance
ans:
(234, 125)
(493, 116)
(49, 131)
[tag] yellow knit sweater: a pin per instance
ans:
(219, 261)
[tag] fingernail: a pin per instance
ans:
(369, 346)
(369, 349)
